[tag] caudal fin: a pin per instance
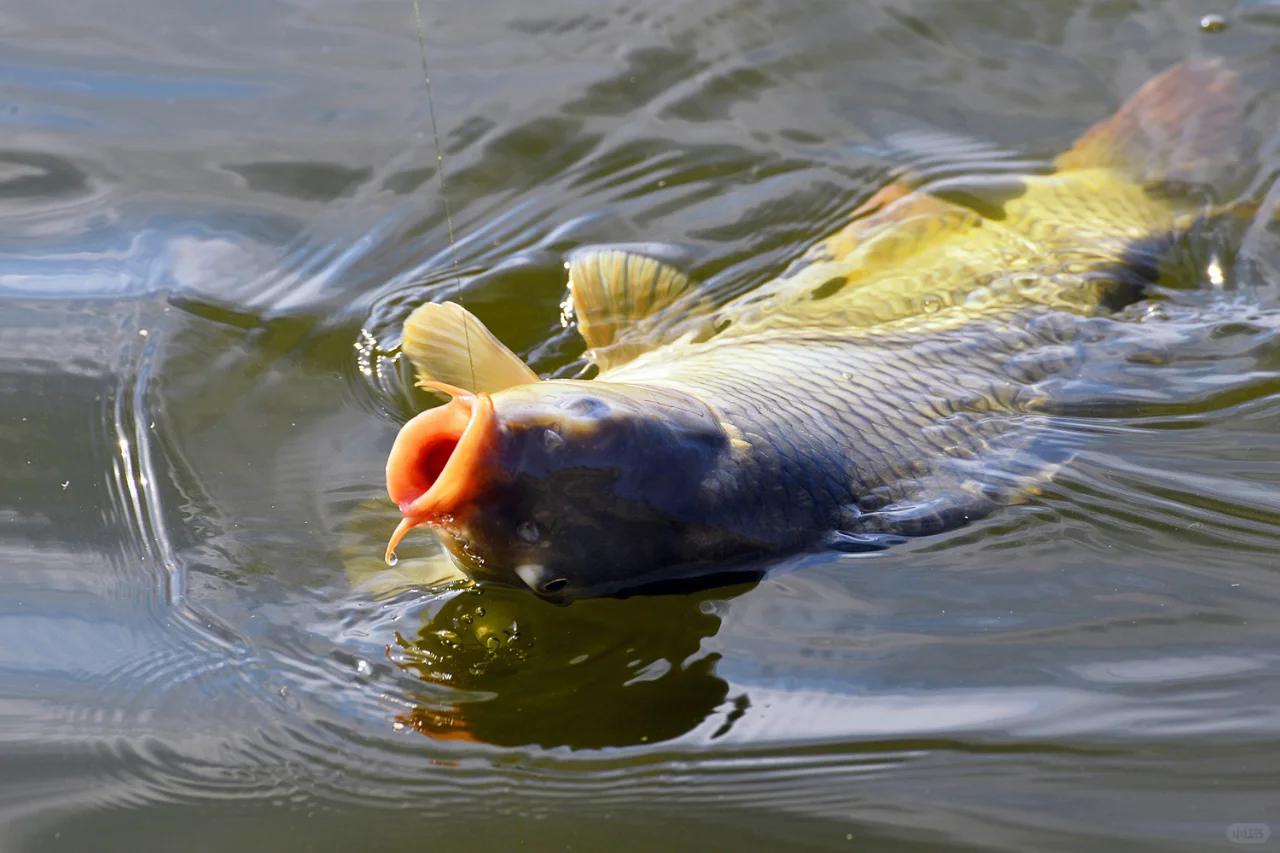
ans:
(1183, 126)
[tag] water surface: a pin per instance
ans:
(215, 217)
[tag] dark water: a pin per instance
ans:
(213, 218)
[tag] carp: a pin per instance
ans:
(887, 385)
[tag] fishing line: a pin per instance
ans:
(444, 191)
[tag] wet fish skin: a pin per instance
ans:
(889, 385)
(595, 485)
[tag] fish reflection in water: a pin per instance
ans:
(503, 667)
(605, 672)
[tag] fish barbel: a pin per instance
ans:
(880, 388)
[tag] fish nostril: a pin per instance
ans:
(588, 407)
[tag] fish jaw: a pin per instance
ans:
(440, 460)
(568, 488)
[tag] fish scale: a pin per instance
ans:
(880, 452)
(892, 382)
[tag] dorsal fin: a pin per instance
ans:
(931, 164)
(447, 344)
(1177, 128)
(613, 289)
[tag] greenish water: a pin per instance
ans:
(213, 218)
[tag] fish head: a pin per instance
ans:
(570, 488)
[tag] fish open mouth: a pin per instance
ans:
(436, 462)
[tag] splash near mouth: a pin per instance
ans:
(436, 463)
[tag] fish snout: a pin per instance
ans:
(440, 460)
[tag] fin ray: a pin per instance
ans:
(449, 346)
(613, 290)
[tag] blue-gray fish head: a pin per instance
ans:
(572, 488)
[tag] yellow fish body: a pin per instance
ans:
(872, 392)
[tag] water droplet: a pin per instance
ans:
(491, 643)
(931, 304)
(397, 726)
(978, 296)
(363, 667)
(392, 559)
(1213, 23)
(479, 612)
(466, 619)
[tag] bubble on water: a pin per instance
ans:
(397, 726)
(479, 612)
(1213, 23)
(931, 304)
(392, 559)
(363, 667)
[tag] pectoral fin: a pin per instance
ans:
(614, 292)
(448, 345)
(956, 493)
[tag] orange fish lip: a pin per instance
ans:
(438, 461)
